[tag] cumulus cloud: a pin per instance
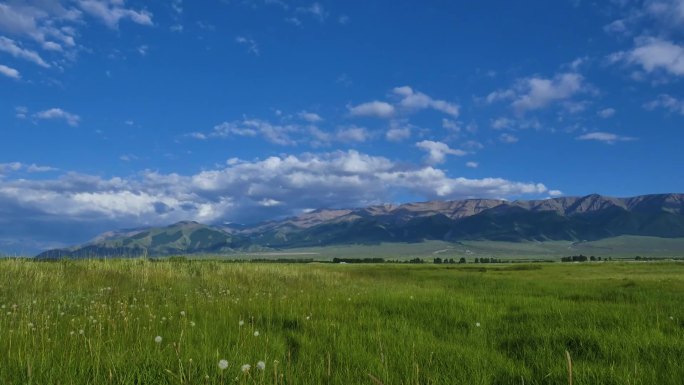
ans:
(353, 134)
(606, 113)
(18, 166)
(240, 191)
(605, 137)
(535, 93)
(653, 55)
(9, 72)
(53, 25)
(667, 102)
(58, 113)
(310, 117)
(41, 21)
(274, 133)
(414, 100)
(111, 12)
(398, 131)
(508, 138)
(375, 109)
(438, 151)
(501, 123)
(13, 48)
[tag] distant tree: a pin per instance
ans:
(437, 260)
(477, 260)
(592, 258)
(462, 260)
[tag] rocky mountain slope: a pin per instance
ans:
(590, 217)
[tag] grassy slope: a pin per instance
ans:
(623, 323)
(623, 246)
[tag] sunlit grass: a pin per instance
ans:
(135, 321)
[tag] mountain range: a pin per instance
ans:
(586, 218)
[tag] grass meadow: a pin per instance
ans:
(143, 322)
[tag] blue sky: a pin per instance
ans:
(119, 113)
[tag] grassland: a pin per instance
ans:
(617, 247)
(95, 322)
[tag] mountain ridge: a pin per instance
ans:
(581, 218)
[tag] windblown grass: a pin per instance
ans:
(95, 322)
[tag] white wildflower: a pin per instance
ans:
(245, 368)
(223, 364)
(256, 333)
(261, 365)
(158, 339)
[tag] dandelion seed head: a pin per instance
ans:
(245, 368)
(477, 324)
(256, 333)
(261, 365)
(223, 364)
(241, 322)
(158, 339)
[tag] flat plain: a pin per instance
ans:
(173, 322)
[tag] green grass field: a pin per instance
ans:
(617, 247)
(95, 322)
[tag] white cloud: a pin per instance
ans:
(606, 113)
(58, 113)
(501, 123)
(499, 95)
(316, 10)
(251, 44)
(274, 133)
(310, 117)
(18, 166)
(128, 157)
(9, 72)
(605, 137)
(7, 167)
(654, 54)
(472, 164)
(667, 102)
(438, 151)
(34, 168)
(555, 193)
(111, 12)
(539, 92)
(398, 131)
(20, 112)
(670, 12)
(41, 21)
(414, 100)
(177, 6)
(451, 125)
(353, 134)
(237, 192)
(535, 93)
(11, 47)
(143, 49)
(508, 138)
(374, 109)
